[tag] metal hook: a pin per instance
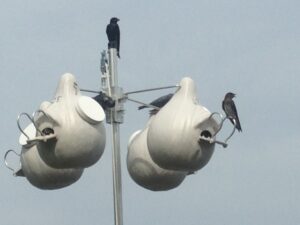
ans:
(18, 122)
(5, 160)
(234, 128)
(44, 137)
(40, 111)
(45, 114)
(221, 123)
(31, 119)
(213, 138)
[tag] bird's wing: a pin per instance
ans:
(236, 117)
(233, 108)
(142, 107)
(229, 108)
(234, 114)
(117, 31)
(161, 101)
(108, 29)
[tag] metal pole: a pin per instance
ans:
(115, 121)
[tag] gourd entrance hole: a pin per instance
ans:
(206, 134)
(48, 131)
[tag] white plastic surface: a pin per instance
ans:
(131, 138)
(90, 110)
(77, 122)
(41, 175)
(174, 132)
(30, 131)
(37, 172)
(144, 171)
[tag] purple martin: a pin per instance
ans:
(230, 110)
(113, 34)
(159, 102)
(104, 100)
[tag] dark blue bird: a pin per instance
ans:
(104, 100)
(230, 110)
(113, 34)
(159, 102)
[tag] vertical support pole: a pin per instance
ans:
(114, 92)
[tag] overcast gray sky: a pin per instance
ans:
(248, 47)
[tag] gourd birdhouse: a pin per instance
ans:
(173, 135)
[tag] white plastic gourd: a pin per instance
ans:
(144, 171)
(37, 172)
(173, 135)
(78, 123)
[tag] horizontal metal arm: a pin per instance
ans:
(91, 91)
(151, 89)
(41, 138)
(142, 103)
(134, 92)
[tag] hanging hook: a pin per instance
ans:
(31, 119)
(221, 123)
(7, 164)
(18, 123)
(232, 132)
(213, 138)
(44, 136)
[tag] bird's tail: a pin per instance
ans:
(153, 112)
(238, 125)
(142, 107)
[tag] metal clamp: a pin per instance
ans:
(15, 172)
(213, 138)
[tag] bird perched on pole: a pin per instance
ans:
(113, 34)
(104, 100)
(230, 110)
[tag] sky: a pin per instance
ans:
(248, 47)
